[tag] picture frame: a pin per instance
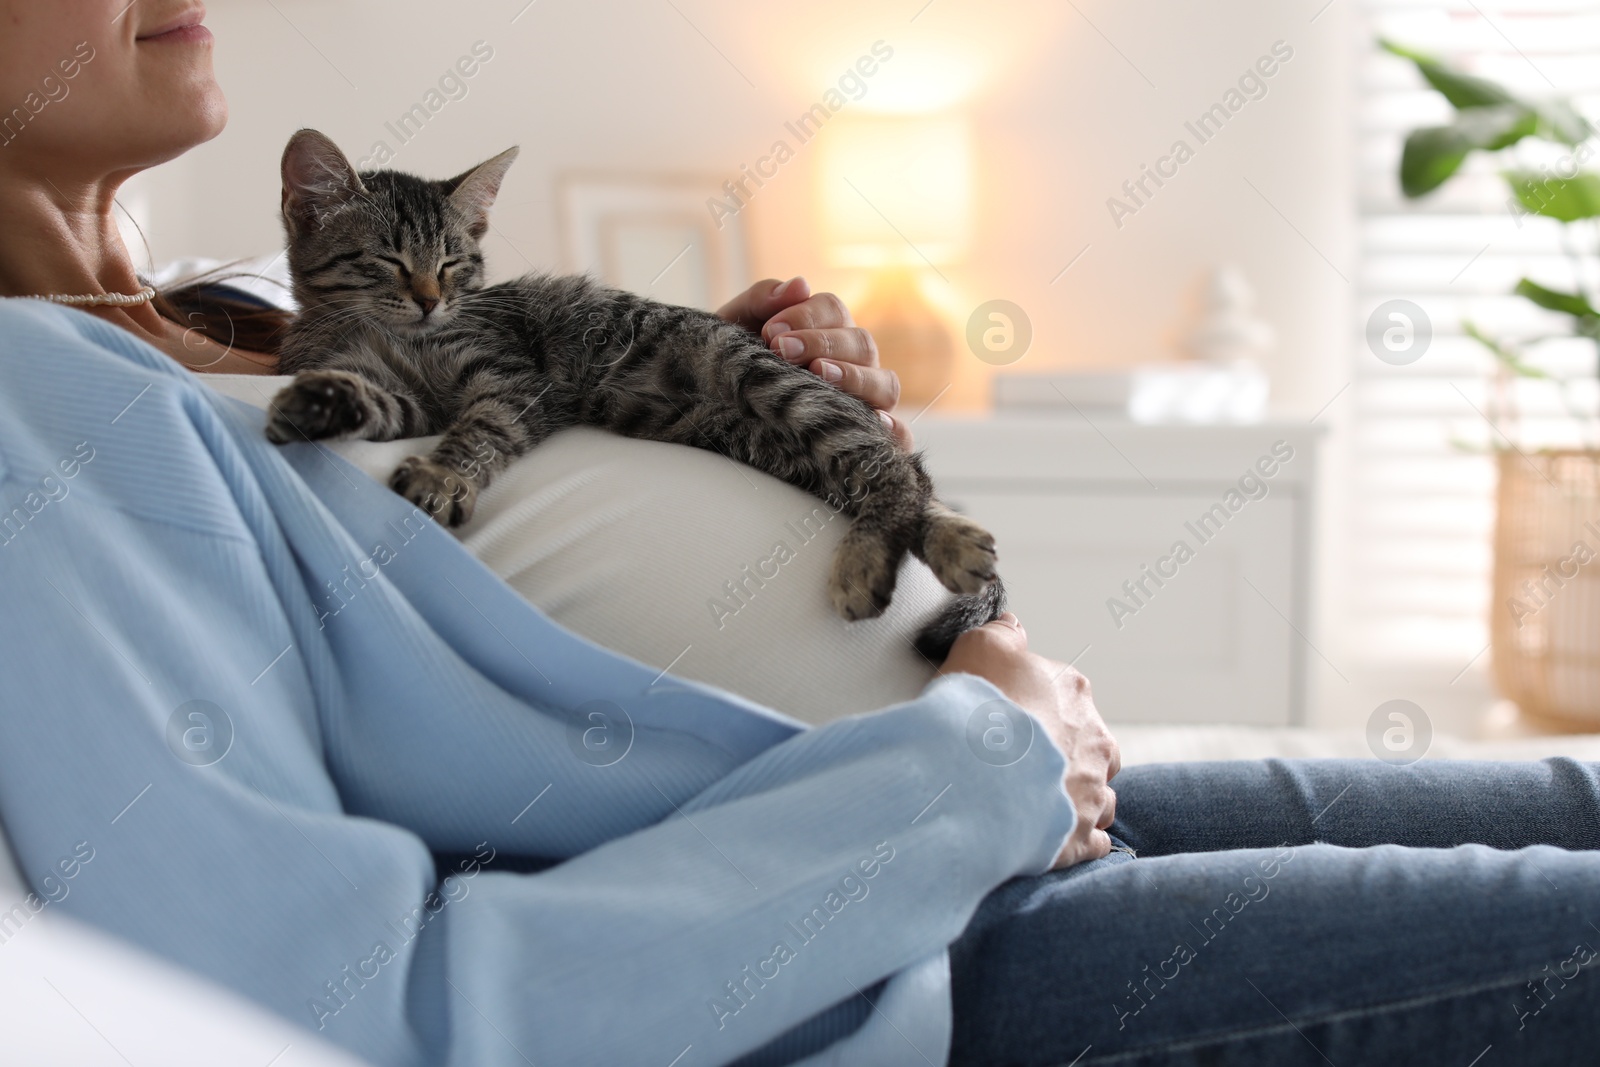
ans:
(653, 234)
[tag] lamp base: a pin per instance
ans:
(913, 340)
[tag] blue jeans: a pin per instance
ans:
(1304, 912)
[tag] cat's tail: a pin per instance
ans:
(962, 614)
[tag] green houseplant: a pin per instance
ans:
(1545, 617)
(1491, 119)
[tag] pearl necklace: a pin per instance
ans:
(92, 300)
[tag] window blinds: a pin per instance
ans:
(1422, 477)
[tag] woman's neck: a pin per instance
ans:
(61, 237)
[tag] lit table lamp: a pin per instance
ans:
(896, 199)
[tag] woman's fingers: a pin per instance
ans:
(898, 430)
(818, 333)
(1096, 801)
(1001, 636)
(756, 306)
(880, 388)
(874, 384)
(822, 311)
(1096, 846)
(1108, 814)
(839, 344)
(1009, 624)
(845, 356)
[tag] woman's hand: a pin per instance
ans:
(1058, 698)
(818, 333)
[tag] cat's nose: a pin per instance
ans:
(426, 303)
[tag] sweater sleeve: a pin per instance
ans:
(260, 692)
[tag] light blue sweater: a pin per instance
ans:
(265, 691)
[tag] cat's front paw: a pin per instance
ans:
(436, 489)
(861, 582)
(319, 404)
(959, 552)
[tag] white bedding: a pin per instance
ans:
(76, 996)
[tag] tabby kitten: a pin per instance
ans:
(398, 337)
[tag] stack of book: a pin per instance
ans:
(1187, 392)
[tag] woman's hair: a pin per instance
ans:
(222, 313)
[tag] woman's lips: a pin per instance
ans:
(185, 28)
(193, 33)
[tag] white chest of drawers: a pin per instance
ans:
(1171, 564)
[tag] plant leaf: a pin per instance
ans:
(1560, 121)
(1462, 90)
(1507, 356)
(1433, 154)
(1574, 304)
(1565, 199)
(1587, 320)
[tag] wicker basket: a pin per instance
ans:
(1546, 615)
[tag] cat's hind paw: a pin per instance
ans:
(861, 582)
(436, 489)
(317, 405)
(958, 551)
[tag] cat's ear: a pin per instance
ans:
(317, 179)
(474, 191)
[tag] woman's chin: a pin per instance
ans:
(187, 98)
(204, 108)
(216, 114)
(189, 119)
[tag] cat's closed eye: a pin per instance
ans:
(405, 272)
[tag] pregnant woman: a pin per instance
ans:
(325, 758)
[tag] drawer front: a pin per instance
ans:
(1199, 638)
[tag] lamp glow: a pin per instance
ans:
(896, 190)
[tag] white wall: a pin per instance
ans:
(1060, 118)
